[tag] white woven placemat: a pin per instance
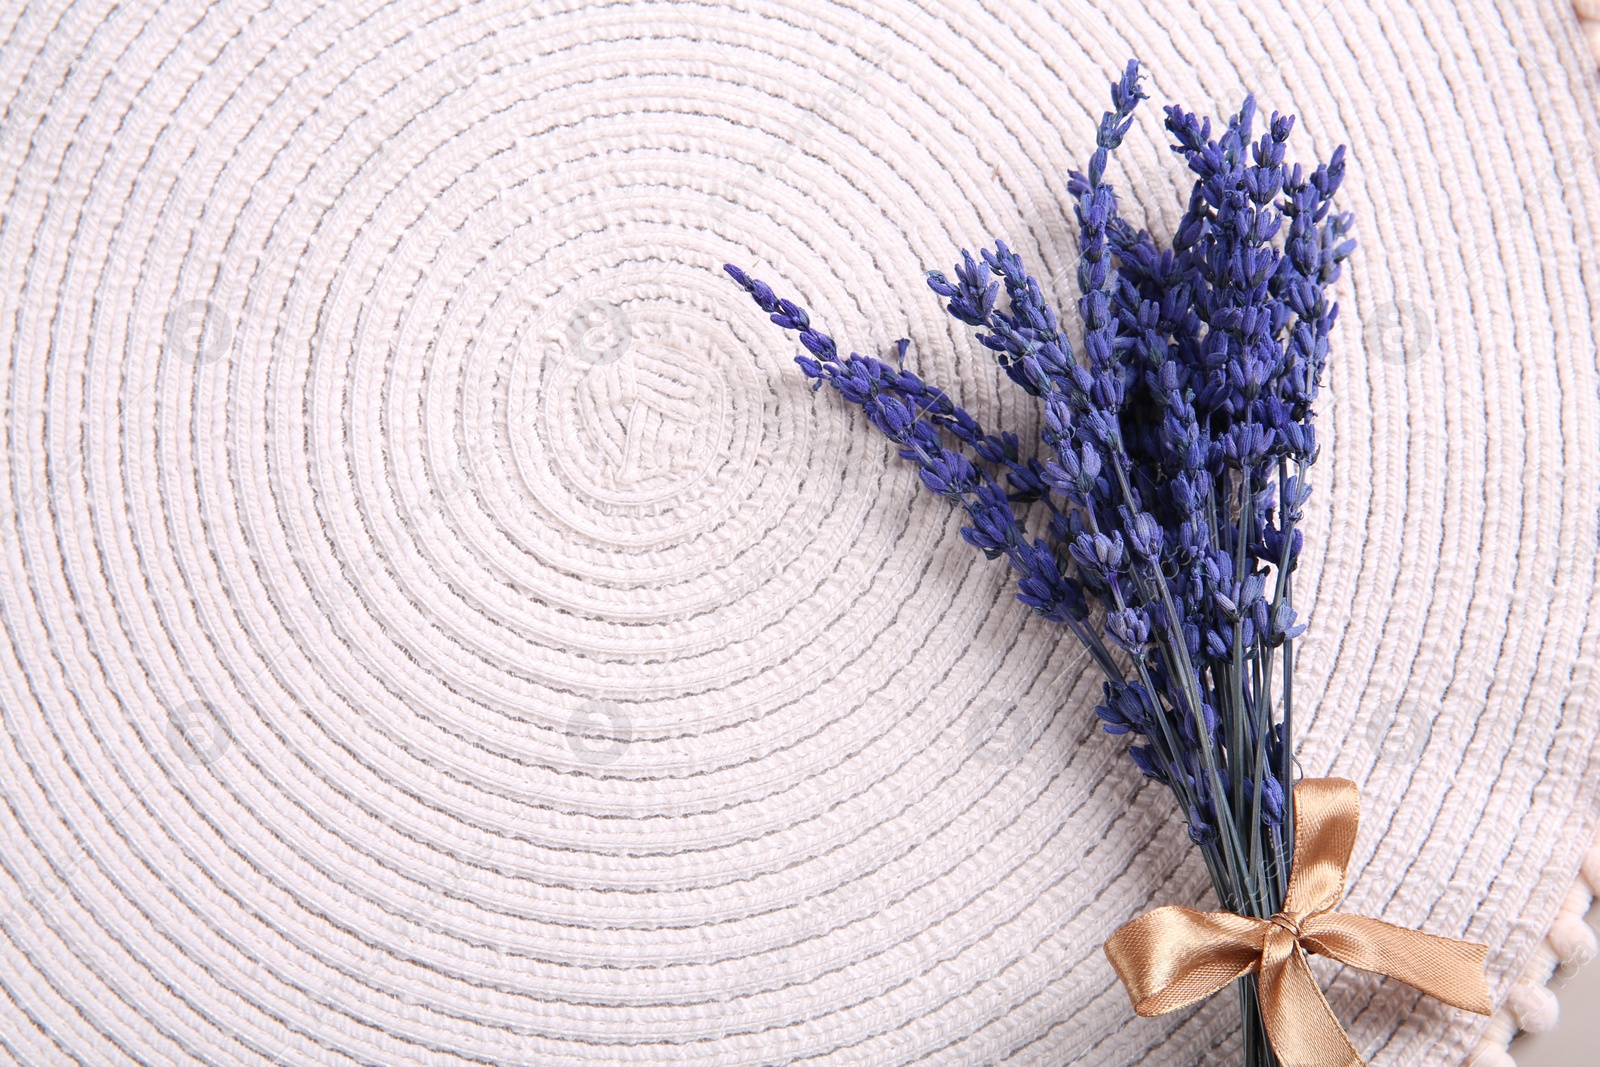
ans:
(443, 628)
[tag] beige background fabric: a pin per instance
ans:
(443, 628)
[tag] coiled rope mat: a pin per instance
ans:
(442, 628)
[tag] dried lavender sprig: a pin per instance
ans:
(892, 399)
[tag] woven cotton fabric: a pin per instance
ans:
(442, 627)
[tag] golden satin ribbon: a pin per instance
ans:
(1175, 956)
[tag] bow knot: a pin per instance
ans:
(1286, 922)
(1174, 956)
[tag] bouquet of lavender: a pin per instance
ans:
(1177, 440)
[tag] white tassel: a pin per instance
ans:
(1492, 1057)
(1591, 869)
(1573, 941)
(1536, 1008)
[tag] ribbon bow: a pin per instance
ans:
(1174, 956)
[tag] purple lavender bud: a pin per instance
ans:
(1058, 414)
(819, 344)
(1091, 466)
(1096, 310)
(1109, 551)
(950, 472)
(1044, 589)
(920, 440)
(1129, 628)
(765, 299)
(1111, 720)
(1295, 494)
(1144, 533)
(990, 449)
(1283, 625)
(1126, 92)
(1126, 706)
(967, 429)
(790, 316)
(1191, 539)
(1246, 444)
(1104, 430)
(1145, 759)
(1191, 135)
(1028, 373)
(1258, 614)
(1183, 496)
(1272, 800)
(983, 541)
(1063, 475)
(1091, 273)
(990, 531)
(1097, 556)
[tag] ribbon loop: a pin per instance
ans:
(1174, 956)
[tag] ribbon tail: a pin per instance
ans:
(1302, 1027)
(1174, 956)
(1442, 967)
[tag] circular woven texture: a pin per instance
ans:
(444, 628)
